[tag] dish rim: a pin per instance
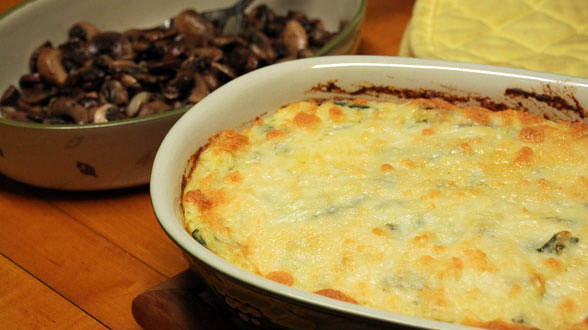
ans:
(348, 29)
(165, 208)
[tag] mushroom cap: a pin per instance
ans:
(83, 30)
(192, 24)
(294, 37)
(67, 106)
(50, 67)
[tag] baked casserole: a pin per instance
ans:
(418, 207)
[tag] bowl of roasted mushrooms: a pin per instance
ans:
(89, 89)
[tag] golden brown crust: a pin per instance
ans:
(274, 134)
(582, 325)
(281, 276)
(234, 177)
(532, 134)
(427, 131)
(528, 118)
(436, 103)
(578, 129)
(499, 325)
(197, 198)
(336, 114)
(336, 294)
(306, 120)
(229, 141)
(478, 115)
(524, 157)
(386, 167)
(427, 175)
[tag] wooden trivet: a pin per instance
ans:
(182, 302)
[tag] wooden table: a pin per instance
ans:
(77, 260)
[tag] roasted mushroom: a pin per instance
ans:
(294, 37)
(63, 106)
(83, 30)
(100, 76)
(50, 67)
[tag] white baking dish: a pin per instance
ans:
(263, 301)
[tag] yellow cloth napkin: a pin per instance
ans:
(541, 35)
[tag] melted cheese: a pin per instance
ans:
(456, 214)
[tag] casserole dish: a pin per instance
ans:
(119, 153)
(263, 302)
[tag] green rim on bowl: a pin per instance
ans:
(348, 29)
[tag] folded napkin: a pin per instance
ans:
(541, 35)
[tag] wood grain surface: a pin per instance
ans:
(77, 260)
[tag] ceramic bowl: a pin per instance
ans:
(117, 154)
(263, 302)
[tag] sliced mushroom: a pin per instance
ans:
(242, 59)
(10, 113)
(260, 16)
(65, 106)
(75, 93)
(212, 53)
(74, 54)
(318, 34)
(114, 92)
(306, 52)
(29, 80)
(83, 30)
(35, 55)
(89, 101)
(193, 64)
(123, 65)
(99, 114)
(179, 86)
(50, 67)
(146, 78)
(177, 63)
(176, 49)
(227, 70)
(294, 37)
(88, 78)
(262, 46)
(106, 43)
(136, 102)
(211, 80)
(167, 64)
(6, 111)
(35, 95)
(10, 96)
(223, 41)
(158, 33)
(153, 107)
(200, 89)
(129, 82)
(192, 24)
